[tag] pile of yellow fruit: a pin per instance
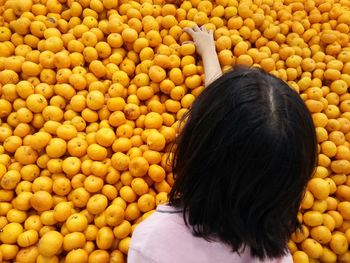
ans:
(91, 95)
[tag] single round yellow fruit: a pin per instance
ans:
(339, 244)
(50, 243)
(319, 188)
(10, 233)
(312, 248)
(76, 222)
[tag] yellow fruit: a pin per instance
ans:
(117, 256)
(61, 186)
(27, 238)
(156, 141)
(146, 203)
(124, 245)
(312, 248)
(343, 208)
(128, 194)
(122, 230)
(129, 35)
(66, 132)
(96, 152)
(10, 233)
(50, 243)
(156, 172)
(99, 256)
(56, 148)
(95, 100)
(22, 201)
(321, 234)
(26, 155)
(97, 204)
(161, 198)
(308, 200)
(10, 179)
(131, 111)
(339, 244)
(62, 211)
(114, 215)
(77, 255)
(41, 201)
(328, 255)
(139, 186)
(105, 137)
(104, 238)
(138, 166)
(156, 73)
(329, 148)
(163, 186)
(313, 218)
(300, 257)
(5, 108)
(73, 240)
(319, 188)
(300, 235)
(8, 252)
(76, 222)
(28, 254)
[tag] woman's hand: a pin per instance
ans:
(203, 39)
(205, 46)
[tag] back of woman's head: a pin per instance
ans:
(242, 161)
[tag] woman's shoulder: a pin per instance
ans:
(164, 237)
(165, 219)
(161, 230)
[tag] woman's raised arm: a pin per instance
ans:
(205, 46)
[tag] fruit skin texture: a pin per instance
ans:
(50, 243)
(91, 98)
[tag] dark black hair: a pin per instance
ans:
(242, 161)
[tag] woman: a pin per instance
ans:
(241, 164)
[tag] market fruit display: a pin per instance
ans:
(92, 92)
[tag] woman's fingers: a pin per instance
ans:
(187, 42)
(196, 29)
(203, 28)
(188, 31)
